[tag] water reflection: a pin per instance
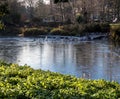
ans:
(95, 59)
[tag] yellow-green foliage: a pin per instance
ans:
(68, 30)
(73, 30)
(115, 26)
(115, 31)
(23, 82)
(34, 31)
(57, 31)
(1, 25)
(80, 29)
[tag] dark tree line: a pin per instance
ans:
(59, 11)
(3, 11)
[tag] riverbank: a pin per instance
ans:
(24, 82)
(115, 32)
(62, 30)
(10, 31)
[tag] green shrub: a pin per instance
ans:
(82, 29)
(34, 31)
(115, 32)
(66, 30)
(97, 27)
(80, 19)
(1, 25)
(74, 30)
(57, 31)
(18, 82)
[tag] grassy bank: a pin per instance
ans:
(68, 30)
(115, 31)
(34, 31)
(23, 82)
(63, 30)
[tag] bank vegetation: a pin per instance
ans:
(23, 82)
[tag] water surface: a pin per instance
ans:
(88, 59)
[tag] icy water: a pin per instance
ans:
(88, 59)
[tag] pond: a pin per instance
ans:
(97, 59)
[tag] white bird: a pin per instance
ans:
(115, 20)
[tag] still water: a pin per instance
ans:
(88, 59)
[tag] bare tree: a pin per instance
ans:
(42, 9)
(30, 7)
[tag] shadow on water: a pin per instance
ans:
(98, 59)
(116, 47)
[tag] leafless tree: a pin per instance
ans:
(30, 6)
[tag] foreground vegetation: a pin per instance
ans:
(23, 82)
